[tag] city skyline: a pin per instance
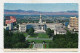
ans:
(44, 7)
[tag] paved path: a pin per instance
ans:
(39, 38)
(27, 37)
(38, 45)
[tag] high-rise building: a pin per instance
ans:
(73, 24)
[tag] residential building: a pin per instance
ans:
(73, 24)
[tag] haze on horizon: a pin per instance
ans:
(44, 7)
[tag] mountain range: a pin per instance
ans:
(32, 12)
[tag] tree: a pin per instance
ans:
(52, 31)
(16, 40)
(20, 45)
(68, 40)
(18, 37)
(7, 39)
(7, 42)
(6, 33)
(49, 32)
(31, 31)
(17, 26)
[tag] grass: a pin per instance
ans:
(39, 35)
(34, 35)
(25, 34)
(47, 45)
(43, 35)
(39, 41)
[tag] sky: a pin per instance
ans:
(44, 7)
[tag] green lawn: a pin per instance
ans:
(39, 41)
(43, 35)
(25, 34)
(39, 35)
(47, 45)
(34, 35)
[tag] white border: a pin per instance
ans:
(29, 1)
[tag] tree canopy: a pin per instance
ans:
(49, 32)
(31, 31)
(68, 40)
(16, 40)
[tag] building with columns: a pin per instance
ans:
(41, 27)
(38, 27)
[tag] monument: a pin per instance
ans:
(41, 26)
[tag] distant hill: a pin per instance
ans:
(32, 12)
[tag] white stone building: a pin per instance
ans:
(53, 26)
(22, 27)
(59, 31)
(38, 27)
(42, 26)
(9, 26)
(6, 27)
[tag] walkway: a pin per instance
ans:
(38, 45)
(27, 37)
(39, 38)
